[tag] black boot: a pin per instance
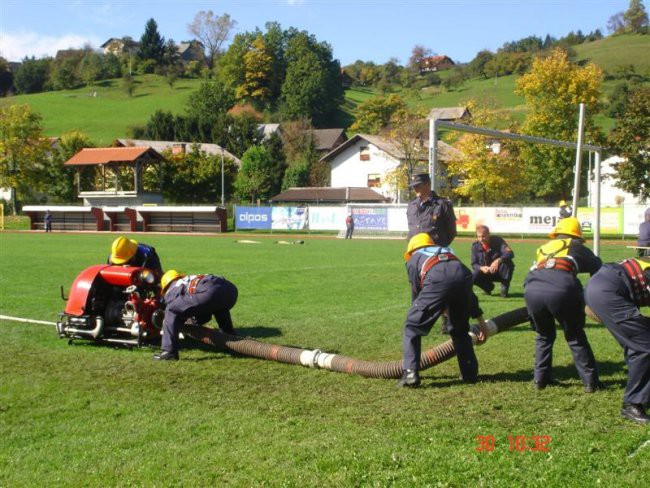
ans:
(635, 413)
(166, 356)
(410, 378)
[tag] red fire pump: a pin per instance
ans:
(113, 304)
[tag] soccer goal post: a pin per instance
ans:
(435, 125)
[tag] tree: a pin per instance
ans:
(61, 179)
(476, 66)
(213, 31)
(212, 98)
(406, 132)
(273, 145)
(258, 64)
(128, 84)
(152, 44)
(636, 17)
(374, 114)
(486, 176)
(418, 53)
(616, 23)
(312, 86)
(553, 90)
(90, 68)
(195, 176)
(32, 75)
(254, 179)
(630, 139)
(6, 77)
(23, 150)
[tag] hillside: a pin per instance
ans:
(110, 113)
(107, 115)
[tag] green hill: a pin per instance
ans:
(108, 115)
(617, 51)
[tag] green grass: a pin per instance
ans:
(108, 115)
(615, 51)
(85, 415)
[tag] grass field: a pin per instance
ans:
(85, 415)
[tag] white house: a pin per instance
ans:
(610, 195)
(365, 160)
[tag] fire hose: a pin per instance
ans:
(336, 362)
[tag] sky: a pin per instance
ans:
(370, 30)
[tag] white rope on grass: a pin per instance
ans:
(636, 451)
(29, 321)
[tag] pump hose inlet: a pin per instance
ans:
(336, 362)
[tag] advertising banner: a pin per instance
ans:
(397, 220)
(610, 220)
(327, 218)
(369, 218)
(633, 215)
(290, 218)
(252, 217)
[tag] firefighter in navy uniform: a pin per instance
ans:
(438, 281)
(615, 294)
(553, 291)
(491, 261)
(195, 297)
(426, 210)
(125, 251)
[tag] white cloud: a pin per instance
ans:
(15, 46)
(293, 3)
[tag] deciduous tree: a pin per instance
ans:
(553, 90)
(486, 176)
(61, 179)
(374, 114)
(258, 63)
(630, 139)
(254, 179)
(213, 31)
(23, 150)
(636, 17)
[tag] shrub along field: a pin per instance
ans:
(100, 416)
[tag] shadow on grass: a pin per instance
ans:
(562, 374)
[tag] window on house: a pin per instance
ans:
(374, 181)
(364, 153)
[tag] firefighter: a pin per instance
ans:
(491, 261)
(615, 294)
(196, 297)
(438, 281)
(129, 252)
(553, 291)
(565, 209)
(430, 213)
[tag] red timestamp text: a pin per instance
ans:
(516, 443)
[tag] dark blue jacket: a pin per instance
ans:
(498, 248)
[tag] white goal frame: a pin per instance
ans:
(435, 125)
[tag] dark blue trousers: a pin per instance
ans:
(213, 296)
(608, 295)
(547, 300)
(485, 281)
(447, 286)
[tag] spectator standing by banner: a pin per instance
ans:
(349, 225)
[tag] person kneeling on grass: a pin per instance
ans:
(193, 297)
(438, 281)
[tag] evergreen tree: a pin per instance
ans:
(152, 44)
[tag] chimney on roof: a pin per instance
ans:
(178, 149)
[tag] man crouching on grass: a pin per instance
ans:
(438, 281)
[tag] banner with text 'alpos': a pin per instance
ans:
(253, 217)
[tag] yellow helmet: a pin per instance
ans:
(123, 250)
(417, 241)
(169, 277)
(569, 226)
(562, 203)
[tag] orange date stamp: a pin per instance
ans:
(516, 443)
